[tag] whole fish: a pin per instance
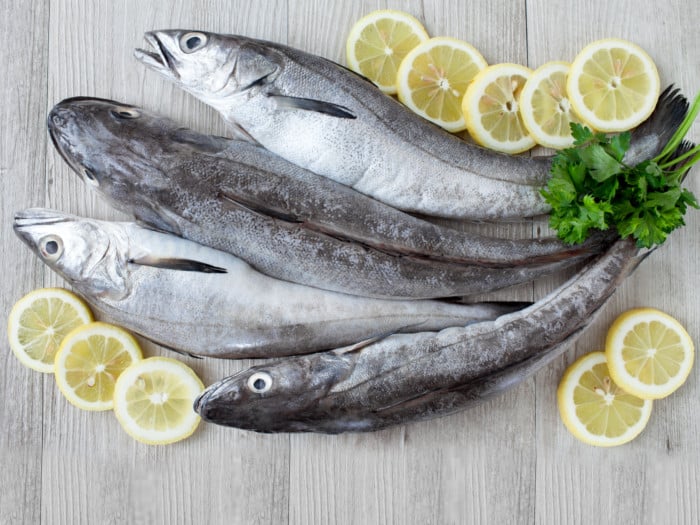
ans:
(265, 182)
(405, 378)
(177, 187)
(323, 117)
(209, 303)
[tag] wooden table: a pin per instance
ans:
(508, 461)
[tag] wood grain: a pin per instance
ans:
(507, 461)
(22, 181)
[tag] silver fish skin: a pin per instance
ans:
(267, 183)
(188, 192)
(405, 378)
(208, 303)
(323, 117)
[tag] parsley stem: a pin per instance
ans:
(681, 158)
(681, 132)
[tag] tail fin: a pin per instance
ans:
(653, 134)
(683, 148)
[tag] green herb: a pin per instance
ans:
(592, 188)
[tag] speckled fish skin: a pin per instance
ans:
(325, 118)
(406, 378)
(126, 273)
(268, 183)
(179, 188)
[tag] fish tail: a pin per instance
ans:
(649, 138)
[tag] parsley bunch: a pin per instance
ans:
(592, 188)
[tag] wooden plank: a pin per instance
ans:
(635, 483)
(472, 467)
(509, 460)
(94, 472)
(22, 179)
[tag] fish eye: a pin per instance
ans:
(260, 382)
(124, 113)
(89, 176)
(51, 247)
(191, 42)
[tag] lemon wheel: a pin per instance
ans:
(153, 400)
(649, 352)
(613, 85)
(595, 409)
(545, 107)
(39, 321)
(378, 42)
(433, 78)
(89, 361)
(491, 109)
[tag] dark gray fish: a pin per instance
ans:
(209, 303)
(406, 378)
(323, 117)
(264, 210)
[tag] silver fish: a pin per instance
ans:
(170, 180)
(265, 182)
(208, 303)
(323, 117)
(405, 378)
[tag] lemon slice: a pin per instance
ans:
(649, 352)
(545, 108)
(595, 409)
(153, 400)
(39, 321)
(89, 361)
(491, 108)
(433, 77)
(613, 85)
(378, 42)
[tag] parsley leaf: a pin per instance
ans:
(591, 188)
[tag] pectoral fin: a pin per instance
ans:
(319, 106)
(256, 206)
(185, 265)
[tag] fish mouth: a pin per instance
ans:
(160, 60)
(39, 217)
(26, 222)
(209, 403)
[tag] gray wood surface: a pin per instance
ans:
(507, 461)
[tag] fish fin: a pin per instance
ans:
(256, 206)
(240, 134)
(182, 352)
(308, 104)
(371, 340)
(650, 137)
(205, 143)
(171, 263)
(156, 220)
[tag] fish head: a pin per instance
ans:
(211, 66)
(101, 141)
(274, 397)
(80, 250)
